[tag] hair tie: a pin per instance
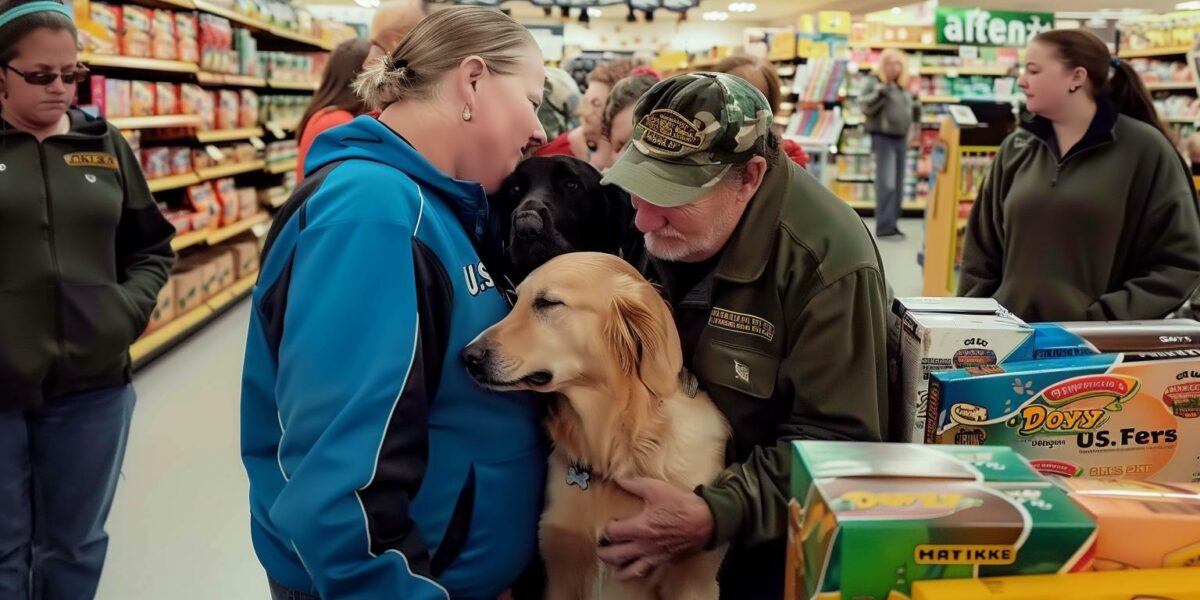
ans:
(399, 64)
(1114, 61)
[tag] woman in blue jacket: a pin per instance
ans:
(377, 468)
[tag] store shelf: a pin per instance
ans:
(230, 170)
(278, 200)
(278, 84)
(1171, 85)
(217, 236)
(862, 205)
(1181, 119)
(163, 184)
(1164, 51)
(207, 78)
(854, 152)
(155, 122)
(168, 336)
(189, 239)
(965, 71)
(286, 166)
(177, 4)
(964, 198)
(262, 26)
(282, 125)
(855, 178)
(112, 61)
(963, 99)
(939, 99)
(904, 46)
(226, 135)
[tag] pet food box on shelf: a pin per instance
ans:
(878, 517)
(1143, 525)
(1128, 416)
(1149, 584)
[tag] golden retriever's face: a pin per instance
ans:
(580, 320)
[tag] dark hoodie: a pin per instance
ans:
(1108, 232)
(84, 252)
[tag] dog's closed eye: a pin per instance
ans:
(544, 303)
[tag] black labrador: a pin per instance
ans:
(554, 205)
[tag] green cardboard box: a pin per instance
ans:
(885, 515)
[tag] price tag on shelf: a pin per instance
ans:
(257, 143)
(214, 153)
(971, 52)
(277, 130)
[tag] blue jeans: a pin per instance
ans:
(891, 153)
(58, 472)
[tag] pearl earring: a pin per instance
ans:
(466, 113)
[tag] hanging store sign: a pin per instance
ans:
(981, 27)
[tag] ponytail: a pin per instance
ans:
(1132, 98)
(1107, 75)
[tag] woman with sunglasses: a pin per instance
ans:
(83, 254)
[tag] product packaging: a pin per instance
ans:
(135, 36)
(97, 94)
(189, 278)
(246, 255)
(201, 159)
(187, 37)
(142, 97)
(101, 33)
(164, 308)
(1156, 339)
(202, 200)
(1142, 525)
(209, 269)
(248, 115)
(202, 220)
(247, 202)
(227, 200)
(889, 515)
(164, 45)
(181, 220)
(156, 162)
(1108, 415)
(117, 99)
(166, 98)
(181, 160)
(1151, 584)
(228, 109)
(226, 269)
(937, 341)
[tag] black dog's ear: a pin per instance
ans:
(619, 223)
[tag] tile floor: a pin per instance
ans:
(179, 525)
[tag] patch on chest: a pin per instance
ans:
(101, 160)
(741, 323)
(478, 279)
(741, 371)
(579, 475)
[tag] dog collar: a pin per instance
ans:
(689, 383)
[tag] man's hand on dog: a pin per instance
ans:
(673, 524)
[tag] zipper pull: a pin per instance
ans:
(1057, 170)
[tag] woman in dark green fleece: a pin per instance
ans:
(83, 253)
(1088, 212)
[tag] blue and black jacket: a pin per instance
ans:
(377, 468)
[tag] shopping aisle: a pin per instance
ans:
(179, 523)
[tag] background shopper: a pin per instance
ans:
(560, 103)
(1088, 212)
(891, 111)
(83, 254)
(335, 102)
(762, 75)
(374, 461)
(391, 22)
(617, 123)
(587, 142)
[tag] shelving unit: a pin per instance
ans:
(228, 135)
(216, 236)
(282, 167)
(1155, 52)
(113, 61)
(306, 86)
(1170, 86)
(174, 182)
(207, 78)
(184, 326)
(230, 170)
(909, 46)
(159, 122)
(263, 28)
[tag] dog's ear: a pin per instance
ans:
(619, 212)
(643, 333)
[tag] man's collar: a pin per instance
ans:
(749, 248)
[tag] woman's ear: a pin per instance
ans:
(471, 70)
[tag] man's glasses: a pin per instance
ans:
(77, 75)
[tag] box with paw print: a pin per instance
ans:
(1129, 416)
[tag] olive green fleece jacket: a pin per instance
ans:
(84, 252)
(1110, 231)
(787, 335)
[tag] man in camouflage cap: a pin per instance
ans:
(779, 296)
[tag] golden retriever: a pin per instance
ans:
(590, 329)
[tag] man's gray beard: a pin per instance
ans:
(677, 249)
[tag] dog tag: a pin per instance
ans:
(579, 476)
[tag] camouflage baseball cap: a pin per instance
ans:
(690, 130)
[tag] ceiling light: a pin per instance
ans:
(716, 15)
(1188, 6)
(895, 10)
(743, 7)
(595, 12)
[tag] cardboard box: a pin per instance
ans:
(936, 342)
(247, 202)
(1058, 340)
(878, 517)
(1142, 525)
(1152, 584)
(226, 270)
(209, 270)
(164, 309)
(189, 279)
(1121, 416)
(246, 258)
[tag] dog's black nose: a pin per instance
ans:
(527, 224)
(475, 355)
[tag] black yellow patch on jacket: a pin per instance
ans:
(102, 160)
(742, 323)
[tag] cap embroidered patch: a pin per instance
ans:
(670, 132)
(101, 160)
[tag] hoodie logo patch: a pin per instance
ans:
(101, 160)
(3, 167)
(741, 323)
(90, 178)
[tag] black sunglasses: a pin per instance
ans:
(78, 75)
